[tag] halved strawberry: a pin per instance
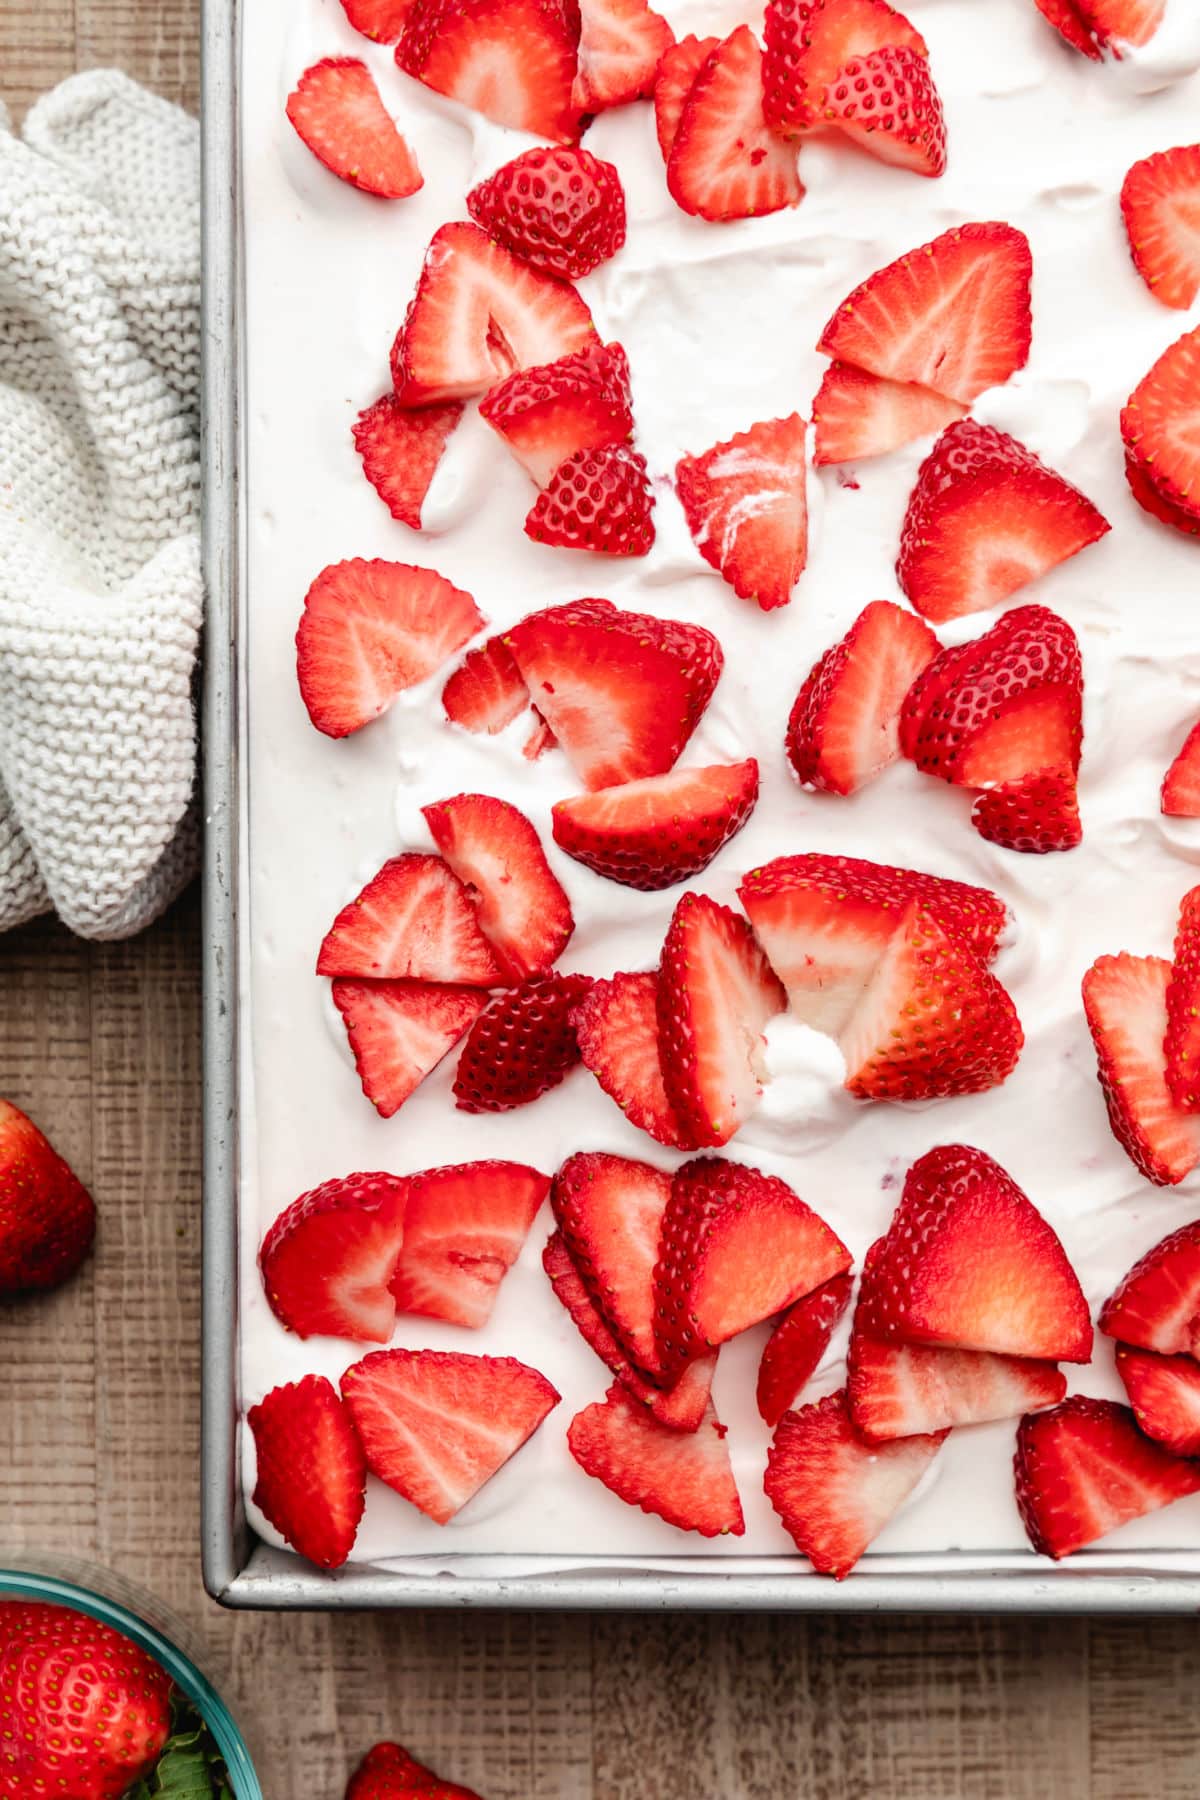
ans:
(1160, 203)
(487, 691)
(522, 1044)
(1157, 1305)
(835, 1492)
(335, 107)
(436, 1425)
(844, 728)
(724, 162)
(547, 415)
(413, 921)
(621, 691)
(511, 60)
(1181, 783)
(1125, 999)
(886, 102)
(736, 1247)
(746, 506)
(1159, 423)
(621, 43)
(464, 1229)
(496, 853)
(609, 1210)
(560, 210)
(617, 1031)
(953, 315)
(1181, 1045)
(985, 518)
(933, 1021)
(1037, 814)
(1164, 1392)
(388, 1772)
(479, 312)
(677, 70)
(311, 1474)
(1141, 486)
(401, 449)
(900, 1390)
(1084, 1468)
(685, 1478)
(1069, 21)
(716, 992)
(597, 500)
(380, 20)
(857, 415)
(654, 833)
(796, 1346)
(327, 1261)
(399, 1031)
(809, 42)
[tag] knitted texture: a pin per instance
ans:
(100, 587)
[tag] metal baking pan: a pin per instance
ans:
(239, 1571)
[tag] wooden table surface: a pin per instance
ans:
(99, 1441)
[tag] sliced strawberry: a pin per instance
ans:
(609, 1210)
(844, 727)
(1160, 203)
(617, 1030)
(1125, 999)
(809, 42)
(621, 43)
(685, 1478)
(597, 500)
(736, 1247)
(1157, 1305)
(388, 1772)
(511, 60)
(328, 1260)
(486, 692)
(716, 992)
(1036, 814)
(413, 921)
(621, 691)
(796, 1346)
(1084, 1468)
(1159, 423)
(887, 104)
(522, 1044)
(985, 518)
(1141, 486)
(747, 509)
(496, 853)
(479, 312)
(933, 1021)
(401, 450)
(900, 1390)
(561, 210)
(1164, 1392)
(833, 1491)
(1069, 21)
(436, 1425)
(1181, 1045)
(380, 20)
(399, 1031)
(336, 109)
(724, 162)
(1181, 783)
(953, 315)
(540, 739)
(652, 834)
(677, 70)
(464, 1229)
(1122, 22)
(546, 416)
(311, 1473)
(826, 923)
(857, 415)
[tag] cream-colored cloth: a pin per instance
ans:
(100, 587)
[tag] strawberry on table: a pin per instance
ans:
(388, 1772)
(328, 1260)
(401, 449)
(598, 499)
(610, 1210)
(413, 921)
(1125, 1000)
(616, 1026)
(497, 855)
(487, 691)
(514, 61)
(677, 70)
(1160, 203)
(1035, 814)
(887, 104)
(312, 1475)
(399, 1031)
(685, 1478)
(336, 109)
(547, 415)
(1181, 1045)
(464, 1229)
(368, 631)
(725, 163)
(797, 1344)
(1164, 1392)
(380, 20)
(1157, 1305)
(522, 1044)
(746, 505)
(1181, 783)
(858, 415)
(809, 43)
(621, 43)
(654, 833)
(47, 1216)
(560, 210)
(1158, 424)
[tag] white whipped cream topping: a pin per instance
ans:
(719, 323)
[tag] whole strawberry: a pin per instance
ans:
(47, 1216)
(84, 1714)
(388, 1772)
(562, 210)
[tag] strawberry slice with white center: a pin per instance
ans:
(311, 1475)
(1069, 21)
(1161, 424)
(1125, 1000)
(685, 1478)
(400, 451)
(336, 109)
(1160, 204)
(496, 853)
(328, 1260)
(1036, 814)
(736, 1247)
(368, 631)
(746, 505)
(1084, 1468)
(652, 834)
(487, 691)
(887, 104)
(399, 1031)
(380, 20)
(621, 691)
(716, 993)
(1157, 1305)
(809, 42)
(609, 1210)
(953, 315)
(1164, 1392)
(617, 1030)
(677, 70)
(522, 1044)
(1181, 1046)
(413, 921)
(464, 1228)
(621, 43)
(513, 61)
(844, 727)
(1097, 26)
(835, 1492)
(900, 1390)
(725, 163)
(857, 415)
(598, 500)
(796, 1346)
(436, 1425)
(547, 415)
(1181, 783)
(479, 312)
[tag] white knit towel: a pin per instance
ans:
(100, 589)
